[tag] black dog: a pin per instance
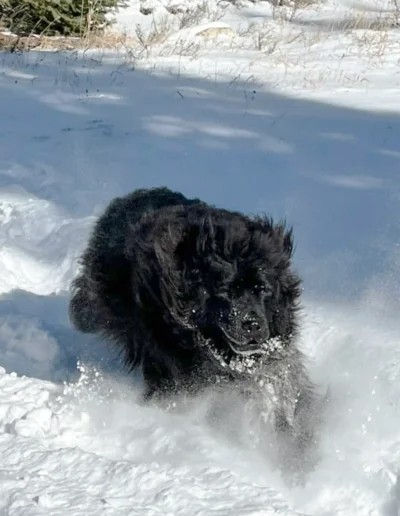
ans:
(198, 295)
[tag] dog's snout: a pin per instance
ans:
(251, 324)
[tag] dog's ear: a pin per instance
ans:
(166, 245)
(186, 252)
(276, 238)
(197, 241)
(288, 242)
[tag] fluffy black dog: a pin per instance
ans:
(198, 296)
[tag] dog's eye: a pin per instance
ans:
(204, 294)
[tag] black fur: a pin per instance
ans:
(197, 295)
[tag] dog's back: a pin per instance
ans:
(111, 229)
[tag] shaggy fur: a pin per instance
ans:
(198, 295)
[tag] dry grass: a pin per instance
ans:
(201, 12)
(107, 40)
(368, 36)
(158, 34)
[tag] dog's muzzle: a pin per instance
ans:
(246, 348)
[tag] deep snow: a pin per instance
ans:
(77, 130)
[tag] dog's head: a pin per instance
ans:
(225, 278)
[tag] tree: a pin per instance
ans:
(56, 17)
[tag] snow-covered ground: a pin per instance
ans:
(308, 130)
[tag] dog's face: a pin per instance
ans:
(239, 312)
(243, 312)
(238, 290)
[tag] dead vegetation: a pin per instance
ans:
(109, 40)
(167, 34)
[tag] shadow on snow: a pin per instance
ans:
(77, 132)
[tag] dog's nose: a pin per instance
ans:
(251, 324)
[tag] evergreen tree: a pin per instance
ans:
(56, 17)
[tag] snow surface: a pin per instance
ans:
(310, 132)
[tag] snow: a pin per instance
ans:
(300, 119)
